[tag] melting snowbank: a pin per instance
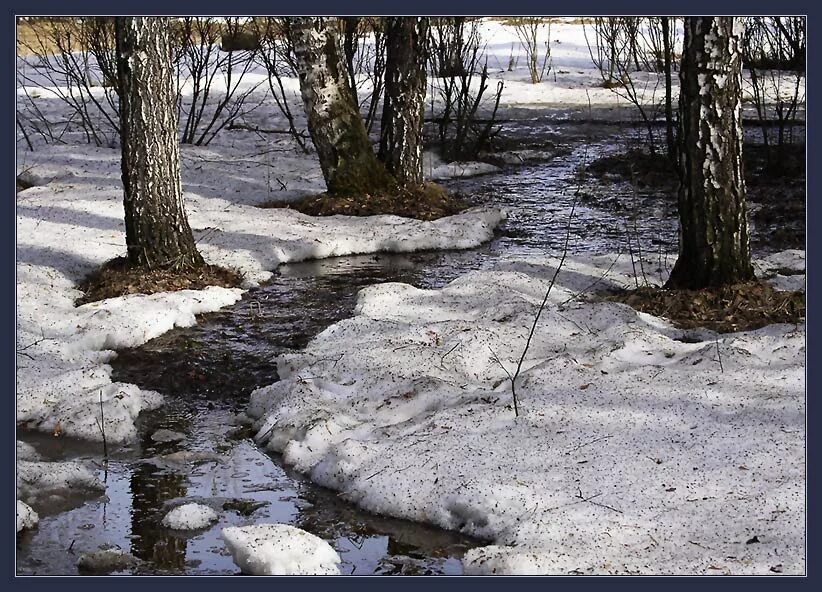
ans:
(71, 225)
(635, 449)
(280, 549)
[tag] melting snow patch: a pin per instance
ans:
(190, 517)
(38, 480)
(26, 517)
(635, 450)
(279, 549)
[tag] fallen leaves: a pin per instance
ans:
(739, 307)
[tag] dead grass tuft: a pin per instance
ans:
(428, 202)
(117, 278)
(738, 307)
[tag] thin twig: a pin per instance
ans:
(719, 356)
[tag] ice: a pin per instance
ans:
(279, 549)
(190, 517)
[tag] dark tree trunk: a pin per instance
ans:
(346, 157)
(667, 49)
(350, 42)
(157, 230)
(713, 230)
(402, 113)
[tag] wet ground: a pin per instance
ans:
(208, 371)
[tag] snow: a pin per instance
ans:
(279, 549)
(106, 561)
(37, 481)
(26, 517)
(190, 517)
(73, 224)
(26, 451)
(635, 452)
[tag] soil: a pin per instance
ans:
(117, 278)
(428, 202)
(738, 307)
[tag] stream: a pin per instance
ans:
(206, 373)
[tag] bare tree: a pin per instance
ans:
(202, 61)
(346, 157)
(466, 122)
(404, 104)
(529, 29)
(71, 60)
(157, 230)
(713, 230)
(774, 53)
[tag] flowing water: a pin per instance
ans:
(208, 371)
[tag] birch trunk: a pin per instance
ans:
(157, 230)
(402, 115)
(713, 230)
(347, 159)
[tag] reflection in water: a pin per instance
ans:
(151, 487)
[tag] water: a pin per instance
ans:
(207, 372)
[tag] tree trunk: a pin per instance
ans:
(667, 49)
(402, 114)
(713, 231)
(346, 157)
(350, 42)
(157, 230)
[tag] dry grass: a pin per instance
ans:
(428, 202)
(739, 307)
(35, 37)
(117, 278)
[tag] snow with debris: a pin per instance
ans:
(280, 549)
(37, 481)
(190, 517)
(106, 561)
(72, 225)
(26, 517)
(635, 451)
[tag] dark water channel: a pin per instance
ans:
(208, 371)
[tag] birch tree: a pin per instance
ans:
(347, 159)
(402, 115)
(157, 230)
(713, 230)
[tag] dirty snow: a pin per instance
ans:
(190, 517)
(106, 561)
(280, 549)
(73, 224)
(39, 481)
(26, 517)
(635, 450)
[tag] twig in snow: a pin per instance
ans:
(719, 355)
(541, 308)
(594, 283)
(442, 358)
(583, 445)
(591, 498)
(101, 423)
(382, 470)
